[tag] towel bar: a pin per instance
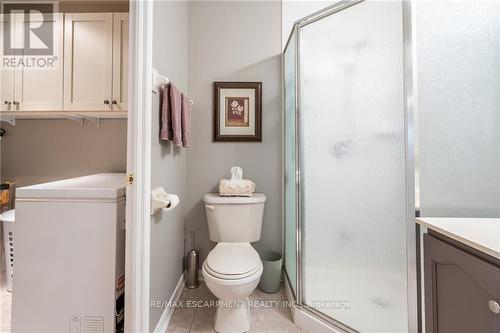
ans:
(159, 80)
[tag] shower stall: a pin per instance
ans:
(349, 194)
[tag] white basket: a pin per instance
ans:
(8, 244)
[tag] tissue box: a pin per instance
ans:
(236, 188)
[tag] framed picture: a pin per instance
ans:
(237, 111)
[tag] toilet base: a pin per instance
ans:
(232, 317)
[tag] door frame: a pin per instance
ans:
(137, 257)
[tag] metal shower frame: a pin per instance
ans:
(411, 255)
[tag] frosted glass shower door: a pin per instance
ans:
(352, 155)
(289, 74)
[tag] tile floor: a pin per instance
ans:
(273, 319)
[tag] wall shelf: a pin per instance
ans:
(63, 114)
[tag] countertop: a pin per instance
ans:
(482, 234)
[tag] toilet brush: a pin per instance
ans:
(192, 264)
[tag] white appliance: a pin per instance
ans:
(8, 218)
(70, 256)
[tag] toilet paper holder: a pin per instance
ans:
(160, 199)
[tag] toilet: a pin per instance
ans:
(232, 270)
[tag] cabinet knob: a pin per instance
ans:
(114, 102)
(106, 102)
(15, 103)
(7, 103)
(494, 307)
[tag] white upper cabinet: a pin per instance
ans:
(96, 62)
(33, 87)
(88, 55)
(120, 61)
(7, 90)
(41, 89)
(6, 75)
(89, 70)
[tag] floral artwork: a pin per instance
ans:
(237, 111)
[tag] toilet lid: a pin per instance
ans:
(232, 260)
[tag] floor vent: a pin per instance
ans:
(93, 325)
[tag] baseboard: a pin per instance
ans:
(304, 319)
(162, 325)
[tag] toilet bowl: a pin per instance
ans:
(232, 270)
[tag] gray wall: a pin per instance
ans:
(37, 151)
(293, 11)
(168, 164)
(234, 41)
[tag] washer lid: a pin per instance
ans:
(8, 216)
(233, 258)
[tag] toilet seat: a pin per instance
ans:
(230, 276)
(233, 261)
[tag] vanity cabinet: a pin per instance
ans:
(462, 288)
(95, 62)
(28, 88)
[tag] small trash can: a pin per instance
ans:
(271, 276)
(7, 220)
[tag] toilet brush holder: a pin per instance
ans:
(193, 258)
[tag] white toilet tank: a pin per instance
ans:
(234, 219)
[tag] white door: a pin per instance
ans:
(40, 89)
(88, 40)
(6, 75)
(120, 62)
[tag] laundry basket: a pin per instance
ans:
(7, 220)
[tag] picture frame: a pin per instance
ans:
(237, 112)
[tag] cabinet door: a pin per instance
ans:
(459, 290)
(120, 61)
(7, 90)
(88, 40)
(6, 75)
(41, 89)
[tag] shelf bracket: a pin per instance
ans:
(77, 119)
(8, 119)
(97, 120)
